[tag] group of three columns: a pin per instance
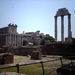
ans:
(62, 27)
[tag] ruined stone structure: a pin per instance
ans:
(21, 50)
(36, 55)
(33, 37)
(59, 48)
(9, 36)
(6, 58)
(62, 12)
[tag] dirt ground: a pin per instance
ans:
(25, 59)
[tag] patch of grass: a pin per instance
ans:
(31, 70)
(13, 69)
(34, 69)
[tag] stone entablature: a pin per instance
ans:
(62, 11)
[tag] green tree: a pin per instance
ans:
(49, 38)
(25, 42)
(35, 43)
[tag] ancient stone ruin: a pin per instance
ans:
(6, 58)
(63, 12)
(36, 55)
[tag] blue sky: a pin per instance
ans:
(33, 15)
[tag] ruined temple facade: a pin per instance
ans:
(10, 37)
(63, 12)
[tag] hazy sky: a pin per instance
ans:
(33, 15)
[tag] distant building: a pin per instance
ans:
(9, 36)
(33, 36)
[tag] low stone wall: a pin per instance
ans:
(2, 50)
(36, 55)
(6, 58)
(27, 50)
(56, 48)
(24, 50)
(63, 49)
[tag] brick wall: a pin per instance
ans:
(26, 50)
(59, 49)
(6, 58)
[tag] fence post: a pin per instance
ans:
(71, 60)
(17, 65)
(61, 61)
(42, 68)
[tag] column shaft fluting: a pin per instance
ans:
(62, 28)
(56, 28)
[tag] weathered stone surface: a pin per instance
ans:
(23, 50)
(36, 55)
(6, 58)
(62, 11)
(59, 48)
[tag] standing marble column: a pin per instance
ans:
(10, 39)
(55, 28)
(62, 28)
(15, 39)
(6, 40)
(69, 27)
(22, 40)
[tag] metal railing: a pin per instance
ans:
(41, 62)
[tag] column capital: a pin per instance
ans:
(55, 16)
(62, 15)
(69, 14)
